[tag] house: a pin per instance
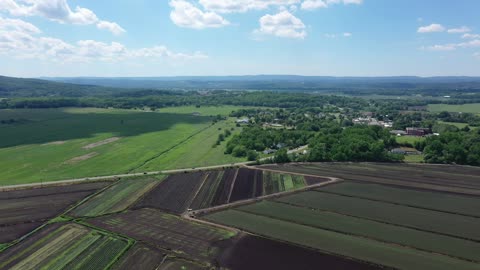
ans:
(418, 131)
(398, 132)
(269, 151)
(243, 121)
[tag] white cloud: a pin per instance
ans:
(471, 36)
(347, 34)
(240, 6)
(460, 30)
(22, 40)
(185, 14)
(282, 24)
(435, 27)
(111, 26)
(56, 10)
(316, 4)
(470, 44)
(446, 47)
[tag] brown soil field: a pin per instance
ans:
(457, 179)
(244, 185)
(167, 232)
(22, 211)
(205, 196)
(258, 253)
(140, 257)
(100, 143)
(174, 194)
(223, 192)
(81, 158)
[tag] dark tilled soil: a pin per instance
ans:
(221, 195)
(244, 185)
(140, 257)
(205, 195)
(22, 211)
(258, 183)
(257, 253)
(174, 194)
(314, 180)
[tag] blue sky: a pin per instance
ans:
(239, 37)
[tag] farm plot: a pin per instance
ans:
(140, 257)
(22, 211)
(425, 241)
(280, 182)
(175, 264)
(420, 219)
(167, 232)
(70, 246)
(458, 179)
(116, 198)
(205, 196)
(344, 245)
(223, 192)
(258, 253)
(174, 194)
(244, 187)
(444, 202)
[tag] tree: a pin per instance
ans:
(252, 155)
(281, 156)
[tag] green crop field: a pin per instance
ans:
(116, 198)
(338, 243)
(431, 200)
(57, 144)
(466, 108)
(433, 221)
(375, 230)
(409, 139)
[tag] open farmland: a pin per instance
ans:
(140, 257)
(175, 193)
(70, 246)
(116, 198)
(443, 202)
(21, 211)
(167, 232)
(465, 180)
(420, 219)
(107, 141)
(465, 108)
(338, 243)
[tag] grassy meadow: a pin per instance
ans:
(465, 108)
(57, 144)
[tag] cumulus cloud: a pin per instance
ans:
(111, 26)
(453, 46)
(471, 36)
(282, 24)
(434, 27)
(22, 40)
(185, 14)
(459, 30)
(316, 4)
(240, 6)
(58, 11)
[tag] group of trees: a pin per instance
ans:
(468, 118)
(459, 147)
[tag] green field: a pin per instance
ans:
(365, 228)
(116, 198)
(409, 139)
(57, 144)
(338, 243)
(465, 108)
(433, 221)
(71, 246)
(431, 200)
(280, 182)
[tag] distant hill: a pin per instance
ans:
(280, 82)
(21, 87)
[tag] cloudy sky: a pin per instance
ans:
(238, 37)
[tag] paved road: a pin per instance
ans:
(116, 176)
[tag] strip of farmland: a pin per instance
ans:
(167, 232)
(70, 246)
(465, 205)
(174, 194)
(342, 244)
(374, 230)
(244, 187)
(205, 196)
(223, 192)
(22, 211)
(116, 198)
(140, 257)
(421, 176)
(427, 220)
